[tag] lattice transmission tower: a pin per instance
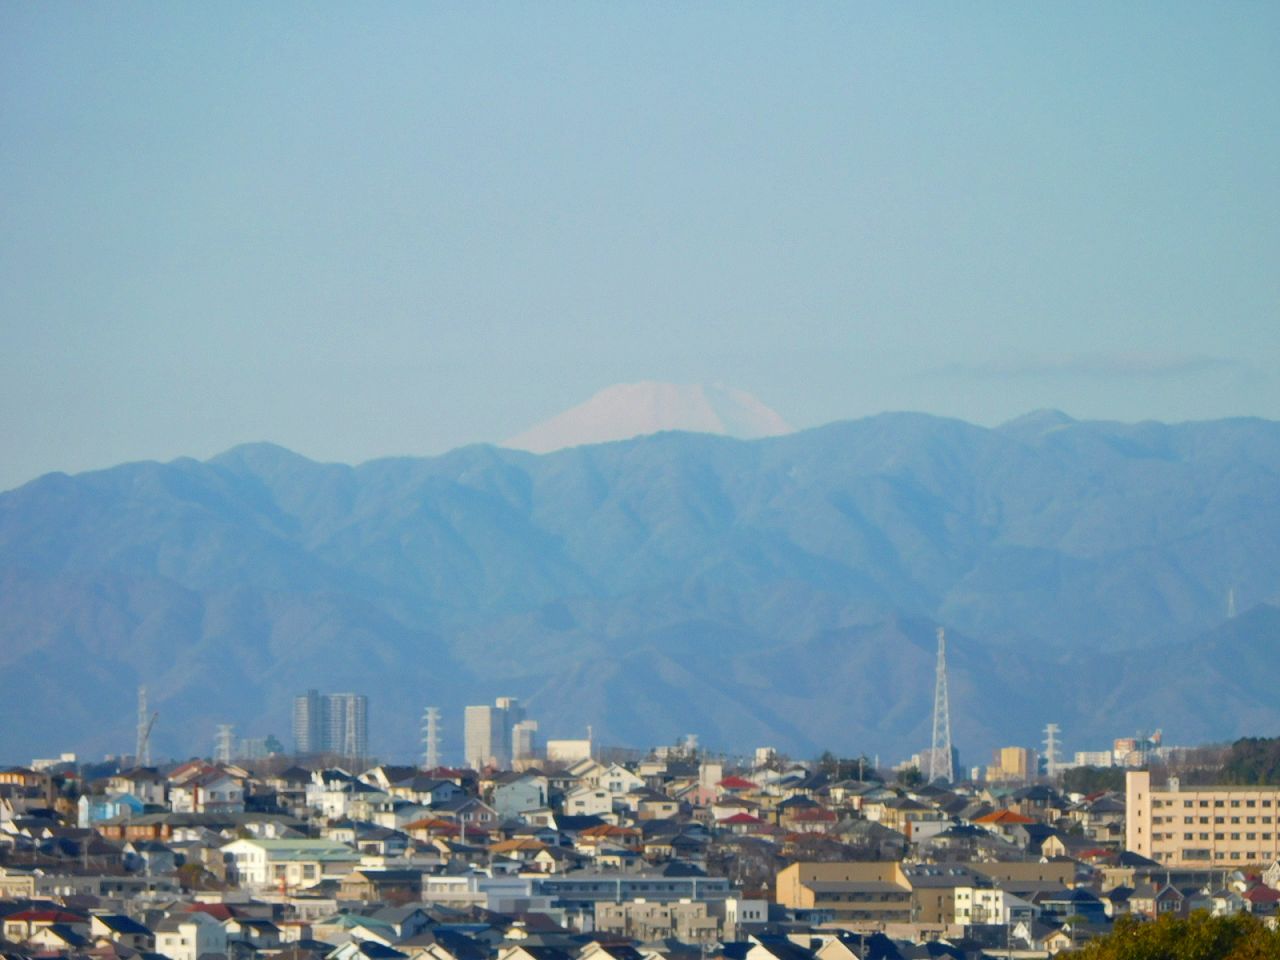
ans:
(940, 765)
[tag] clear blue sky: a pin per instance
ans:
(397, 228)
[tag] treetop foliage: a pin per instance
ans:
(1253, 760)
(1197, 937)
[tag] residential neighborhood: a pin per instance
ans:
(673, 854)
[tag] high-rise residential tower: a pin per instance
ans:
(487, 733)
(331, 723)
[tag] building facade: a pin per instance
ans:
(1201, 826)
(488, 732)
(331, 723)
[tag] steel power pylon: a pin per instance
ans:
(940, 766)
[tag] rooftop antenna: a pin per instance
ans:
(431, 738)
(940, 767)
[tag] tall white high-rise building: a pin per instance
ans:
(331, 723)
(487, 733)
(524, 741)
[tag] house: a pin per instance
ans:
(213, 791)
(532, 952)
(615, 778)
(776, 947)
(475, 816)
(91, 809)
(255, 933)
(518, 794)
(190, 936)
(586, 801)
(387, 886)
(1262, 900)
(142, 782)
(24, 924)
(123, 930)
(287, 863)
(365, 950)
(1154, 900)
(61, 938)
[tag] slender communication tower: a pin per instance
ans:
(431, 738)
(1051, 732)
(142, 749)
(940, 767)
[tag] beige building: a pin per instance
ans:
(1201, 826)
(686, 920)
(1012, 764)
(875, 892)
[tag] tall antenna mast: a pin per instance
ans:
(431, 738)
(142, 748)
(940, 766)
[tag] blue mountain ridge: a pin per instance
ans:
(782, 591)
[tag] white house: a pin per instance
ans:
(190, 936)
(291, 863)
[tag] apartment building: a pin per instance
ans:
(1221, 826)
(864, 892)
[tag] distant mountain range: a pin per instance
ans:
(782, 591)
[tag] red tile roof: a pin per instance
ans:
(1004, 817)
(739, 819)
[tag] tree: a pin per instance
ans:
(910, 777)
(1197, 937)
(844, 768)
(1093, 779)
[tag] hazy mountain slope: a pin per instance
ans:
(784, 588)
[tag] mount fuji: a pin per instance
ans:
(628, 410)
